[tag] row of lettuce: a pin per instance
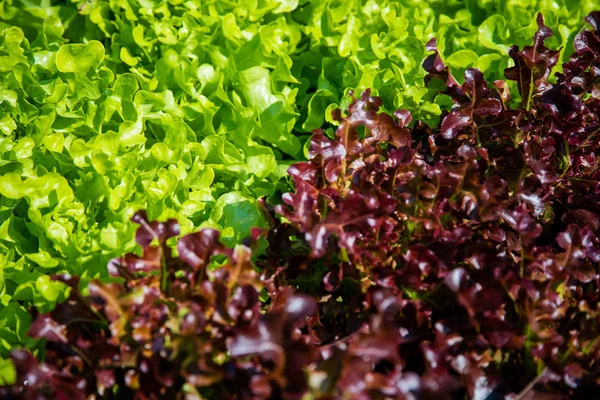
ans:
(193, 110)
(410, 261)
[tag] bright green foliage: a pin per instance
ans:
(8, 374)
(192, 109)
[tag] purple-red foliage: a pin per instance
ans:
(480, 237)
(461, 261)
(173, 326)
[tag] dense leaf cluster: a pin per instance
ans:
(410, 262)
(193, 109)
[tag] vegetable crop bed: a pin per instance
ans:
(299, 199)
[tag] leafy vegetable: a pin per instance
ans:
(174, 326)
(411, 261)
